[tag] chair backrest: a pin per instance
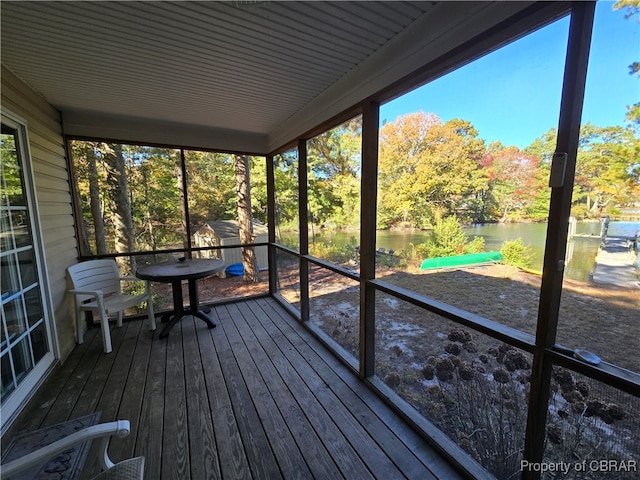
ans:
(95, 275)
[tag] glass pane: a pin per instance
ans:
(131, 196)
(472, 387)
(592, 428)
(288, 277)
(14, 316)
(334, 169)
(287, 201)
(21, 230)
(39, 342)
(4, 344)
(463, 193)
(21, 355)
(11, 189)
(33, 305)
(27, 262)
(599, 310)
(6, 237)
(334, 306)
(8, 384)
(9, 278)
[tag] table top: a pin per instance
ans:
(180, 270)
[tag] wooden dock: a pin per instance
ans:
(616, 263)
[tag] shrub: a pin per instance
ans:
(516, 253)
(333, 253)
(447, 237)
(475, 246)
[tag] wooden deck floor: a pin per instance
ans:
(256, 397)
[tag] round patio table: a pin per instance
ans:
(175, 272)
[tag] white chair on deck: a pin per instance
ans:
(130, 469)
(96, 287)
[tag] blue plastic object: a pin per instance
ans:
(234, 270)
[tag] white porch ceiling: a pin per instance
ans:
(224, 74)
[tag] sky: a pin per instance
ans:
(513, 94)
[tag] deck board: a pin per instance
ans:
(262, 462)
(151, 424)
(282, 405)
(233, 460)
(257, 397)
(175, 438)
(361, 441)
(201, 433)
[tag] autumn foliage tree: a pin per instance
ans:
(513, 180)
(608, 169)
(427, 169)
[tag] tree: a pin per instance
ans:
(607, 169)
(285, 171)
(211, 186)
(118, 198)
(513, 179)
(85, 155)
(333, 161)
(155, 184)
(245, 222)
(633, 9)
(258, 175)
(427, 169)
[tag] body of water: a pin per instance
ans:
(581, 250)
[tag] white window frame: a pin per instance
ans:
(28, 386)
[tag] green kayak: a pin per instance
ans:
(461, 260)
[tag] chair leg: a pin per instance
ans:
(151, 314)
(120, 314)
(106, 333)
(79, 326)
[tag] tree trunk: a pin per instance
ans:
(183, 212)
(245, 222)
(96, 204)
(504, 214)
(119, 201)
(147, 216)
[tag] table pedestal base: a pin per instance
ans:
(180, 312)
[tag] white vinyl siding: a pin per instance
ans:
(53, 196)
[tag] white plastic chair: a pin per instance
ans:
(130, 469)
(96, 287)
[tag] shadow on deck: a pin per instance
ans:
(256, 397)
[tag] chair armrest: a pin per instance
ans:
(93, 293)
(121, 428)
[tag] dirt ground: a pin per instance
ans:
(600, 318)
